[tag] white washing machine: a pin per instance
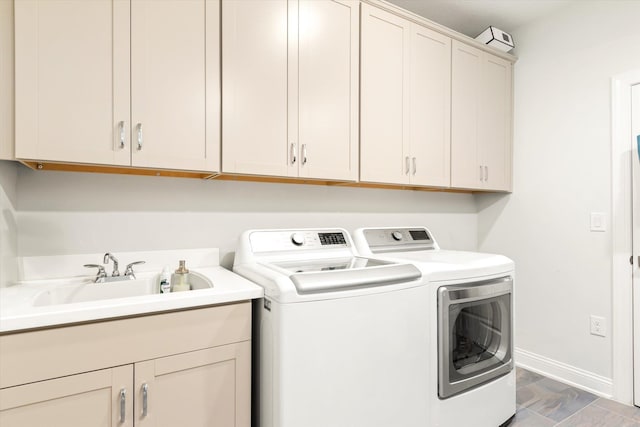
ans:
(470, 317)
(342, 340)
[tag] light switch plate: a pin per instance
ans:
(598, 221)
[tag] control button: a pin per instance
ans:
(297, 239)
(396, 235)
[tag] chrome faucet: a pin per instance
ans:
(115, 276)
(109, 256)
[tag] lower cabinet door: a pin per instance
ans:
(101, 398)
(207, 388)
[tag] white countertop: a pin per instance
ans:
(18, 313)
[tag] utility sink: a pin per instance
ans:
(86, 292)
(54, 291)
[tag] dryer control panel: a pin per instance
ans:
(399, 239)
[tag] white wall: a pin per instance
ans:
(66, 213)
(8, 224)
(562, 172)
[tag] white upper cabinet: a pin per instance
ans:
(290, 88)
(175, 95)
(328, 89)
(496, 117)
(311, 89)
(72, 80)
(405, 101)
(6, 81)
(481, 120)
(86, 71)
(254, 86)
(430, 109)
(384, 99)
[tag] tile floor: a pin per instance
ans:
(543, 402)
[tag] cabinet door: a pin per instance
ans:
(72, 80)
(384, 129)
(206, 388)
(494, 127)
(6, 81)
(254, 87)
(92, 399)
(466, 93)
(328, 89)
(430, 107)
(174, 84)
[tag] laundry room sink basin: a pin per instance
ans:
(57, 290)
(86, 292)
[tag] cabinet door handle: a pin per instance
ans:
(145, 398)
(304, 154)
(139, 136)
(121, 130)
(293, 154)
(415, 169)
(481, 175)
(486, 173)
(406, 165)
(123, 405)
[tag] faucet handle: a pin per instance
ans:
(129, 270)
(102, 274)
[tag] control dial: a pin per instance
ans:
(396, 235)
(297, 239)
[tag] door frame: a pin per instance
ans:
(621, 240)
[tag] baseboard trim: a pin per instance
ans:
(588, 381)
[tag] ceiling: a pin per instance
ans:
(471, 17)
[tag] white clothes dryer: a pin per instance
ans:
(470, 317)
(341, 339)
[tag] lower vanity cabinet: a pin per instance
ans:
(189, 368)
(101, 398)
(194, 389)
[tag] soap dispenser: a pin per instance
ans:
(180, 279)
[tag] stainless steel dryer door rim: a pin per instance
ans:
(498, 291)
(476, 291)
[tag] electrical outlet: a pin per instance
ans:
(598, 326)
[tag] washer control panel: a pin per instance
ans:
(401, 239)
(286, 240)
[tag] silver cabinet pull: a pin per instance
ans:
(145, 398)
(293, 153)
(121, 130)
(481, 175)
(414, 166)
(304, 154)
(123, 404)
(139, 136)
(406, 165)
(486, 173)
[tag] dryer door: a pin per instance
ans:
(474, 334)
